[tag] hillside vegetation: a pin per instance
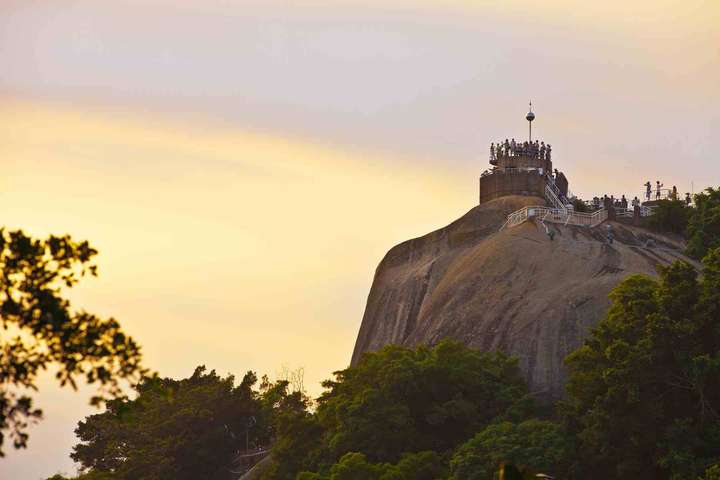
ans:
(642, 401)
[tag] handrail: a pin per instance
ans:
(553, 197)
(646, 211)
(555, 215)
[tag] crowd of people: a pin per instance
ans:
(511, 148)
(599, 202)
(657, 194)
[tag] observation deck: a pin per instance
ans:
(521, 155)
(520, 168)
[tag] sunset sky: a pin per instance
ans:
(242, 166)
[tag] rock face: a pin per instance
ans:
(515, 290)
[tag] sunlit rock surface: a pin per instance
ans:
(515, 290)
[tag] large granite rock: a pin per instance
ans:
(515, 290)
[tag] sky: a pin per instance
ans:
(242, 166)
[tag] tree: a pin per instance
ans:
(180, 429)
(401, 401)
(298, 446)
(703, 229)
(537, 444)
(579, 205)
(670, 216)
(87, 476)
(712, 473)
(40, 330)
(644, 389)
(355, 466)
(293, 429)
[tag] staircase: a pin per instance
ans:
(558, 212)
(552, 195)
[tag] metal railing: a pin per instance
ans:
(645, 211)
(553, 197)
(516, 218)
(660, 194)
(556, 215)
(624, 212)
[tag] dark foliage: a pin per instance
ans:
(182, 429)
(539, 444)
(412, 466)
(579, 205)
(40, 330)
(400, 401)
(644, 391)
(703, 229)
(670, 216)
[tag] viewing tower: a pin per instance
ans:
(523, 168)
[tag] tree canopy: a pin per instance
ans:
(670, 216)
(401, 401)
(703, 229)
(644, 390)
(539, 444)
(412, 466)
(182, 429)
(643, 402)
(40, 330)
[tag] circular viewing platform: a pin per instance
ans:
(512, 154)
(520, 168)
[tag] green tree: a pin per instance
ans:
(644, 389)
(579, 205)
(670, 216)
(426, 465)
(398, 401)
(179, 429)
(712, 473)
(294, 430)
(538, 444)
(703, 229)
(40, 330)
(298, 446)
(86, 476)
(412, 466)
(354, 466)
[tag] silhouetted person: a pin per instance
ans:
(657, 192)
(688, 200)
(674, 193)
(648, 190)
(623, 202)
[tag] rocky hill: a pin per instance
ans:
(515, 290)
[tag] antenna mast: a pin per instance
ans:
(530, 117)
